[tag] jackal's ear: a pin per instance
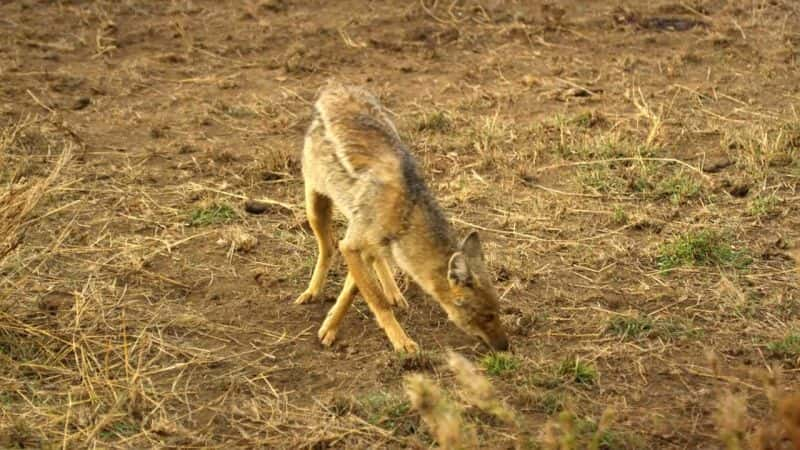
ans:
(471, 246)
(458, 272)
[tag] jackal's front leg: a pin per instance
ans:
(388, 283)
(327, 332)
(352, 253)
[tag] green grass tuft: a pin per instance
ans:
(630, 327)
(120, 429)
(437, 121)
(788, 347)
(499, 363)
(619, 216)
(601, 179)
(701, 248)
(551, 402)
(586, 433)
(677, 328)
(636, 327)
(577, 371)
(587, 119)
(608, 438)
(764, 206)
(547, 380)
(678, 188)
(384, 409)
(216, 213)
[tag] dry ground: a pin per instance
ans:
(634, 170)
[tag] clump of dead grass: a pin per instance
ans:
(739, 428)
(477, 390)
(436, 121)
(443, 415)
(237, 239)
(731, 419)
(20, 197)
(88, 359)
(763, 150)
(568, 431)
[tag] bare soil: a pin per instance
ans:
(144, 307)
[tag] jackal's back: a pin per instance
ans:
(353, 144)
(363, 138)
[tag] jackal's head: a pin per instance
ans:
(473, 304)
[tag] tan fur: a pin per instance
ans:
(353, 158)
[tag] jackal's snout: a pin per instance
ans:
(499, 342)
(495, 336)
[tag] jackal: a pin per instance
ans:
(353, 158)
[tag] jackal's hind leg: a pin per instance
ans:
(320, 214)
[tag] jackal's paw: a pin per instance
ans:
(406, 346)
(304, 297)
(326, 336)
(398, 300)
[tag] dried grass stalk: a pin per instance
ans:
(477, 390)
(18, 200)
(441, 415)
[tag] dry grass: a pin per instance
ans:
(440, 414)
(443, 415)
(93, 364)
(21, 195)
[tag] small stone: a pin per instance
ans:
(716, 164)
(256, 207)
(81, 103)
